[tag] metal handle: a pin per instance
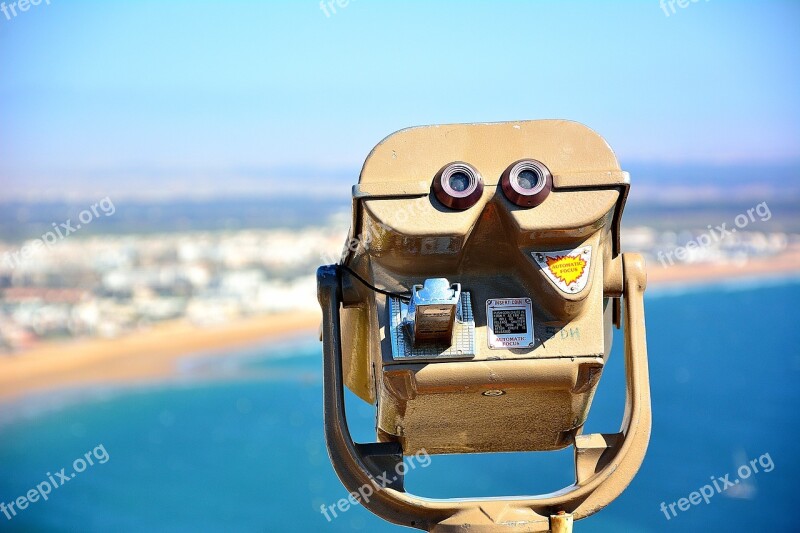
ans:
(605, 463)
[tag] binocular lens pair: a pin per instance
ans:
(526, 183)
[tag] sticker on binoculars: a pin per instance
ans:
(509, 323)
(567, 269)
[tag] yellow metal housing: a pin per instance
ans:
(534, 398)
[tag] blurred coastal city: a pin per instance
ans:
(108, 286)
(111, 285)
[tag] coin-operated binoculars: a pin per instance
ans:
(474, 306)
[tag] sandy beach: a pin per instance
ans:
(139, 357)
(153, 354)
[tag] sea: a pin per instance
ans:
(236, 443)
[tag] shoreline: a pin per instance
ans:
(140, 357)
(154, 354)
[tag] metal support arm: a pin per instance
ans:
(605, 463)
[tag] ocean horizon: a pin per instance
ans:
(245, 451)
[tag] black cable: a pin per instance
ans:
(404, 297)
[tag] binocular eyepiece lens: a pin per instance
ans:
(459, 182)
(528, 179)
(527, 183)
(458, 186)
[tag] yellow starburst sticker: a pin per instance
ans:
(567, 269)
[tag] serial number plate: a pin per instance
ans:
(509, 323)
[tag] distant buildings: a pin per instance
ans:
(107, 286)
(668, 248)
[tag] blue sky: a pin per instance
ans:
(141, 93)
